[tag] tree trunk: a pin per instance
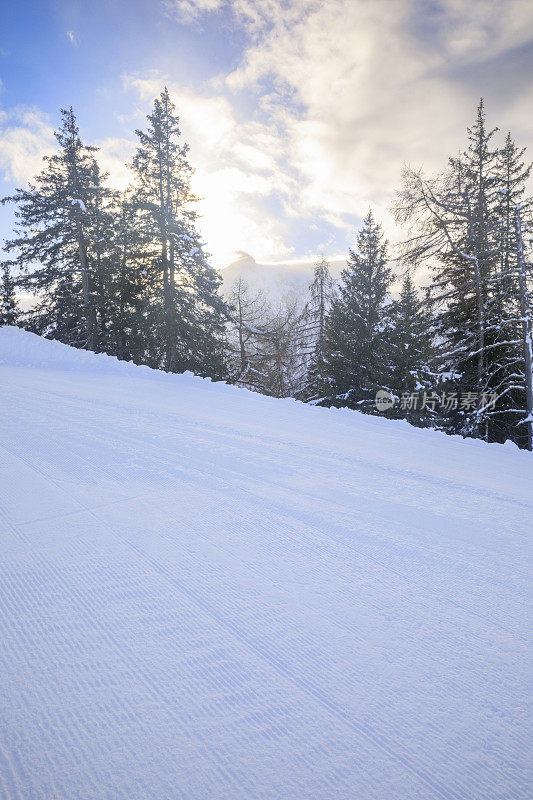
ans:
(241, 337)
(91, 327)
(167, 305)
(480, 313)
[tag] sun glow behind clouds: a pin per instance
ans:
(348, 91)
(310, 114)
(236, 171)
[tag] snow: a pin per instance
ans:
(207, 593)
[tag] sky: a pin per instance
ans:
(300, 114)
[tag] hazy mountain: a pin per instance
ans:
(280, 282)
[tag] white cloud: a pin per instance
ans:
(25, 136)
(72, 37)
(361, 87)
(237, 172)
(113, 155)
(375, 94)
(346, 92)
(190, 10)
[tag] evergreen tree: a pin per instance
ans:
(355, 337)
(512, 300)
(8, 301)
(127, 291)
(410, 337)
(187, 313)
(513, 175)
(467, 321)
(523, 276)
(458, 221)
(100, 237)
(55, 242)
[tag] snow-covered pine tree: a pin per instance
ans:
(54, 243)
(480, 241)
(102, 262)
(8, 300)
(356, 358)
(524, 282)
(513, 174)
(411, 350)
(512, 299)
(189, 312)
(456, 228)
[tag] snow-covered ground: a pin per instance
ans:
(206, 593)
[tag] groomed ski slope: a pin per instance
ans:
(206, 593)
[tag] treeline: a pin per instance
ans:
(126, 274)
(457, 355)
(120, 273)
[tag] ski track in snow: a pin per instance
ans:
(205, 593)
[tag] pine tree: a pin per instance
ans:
(513, 175)
(411, 349)
(464, 224)
(127, 291)
(55, 243)
(469, 317)
(355, 336)
(8, 301)
(458, 232)
(509, 286)
(100, 237)
(524, 282)
(186, 309)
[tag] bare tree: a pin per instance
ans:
(247, 329)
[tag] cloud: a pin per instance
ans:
(114, 154)
(352, 89)
(376, 90)
(191, 10)
(237, 178)
(319, 113)
(238, 175)
(25, 136)
(72, 37)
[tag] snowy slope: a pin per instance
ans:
(206, 593)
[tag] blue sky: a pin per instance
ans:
(299, 114)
